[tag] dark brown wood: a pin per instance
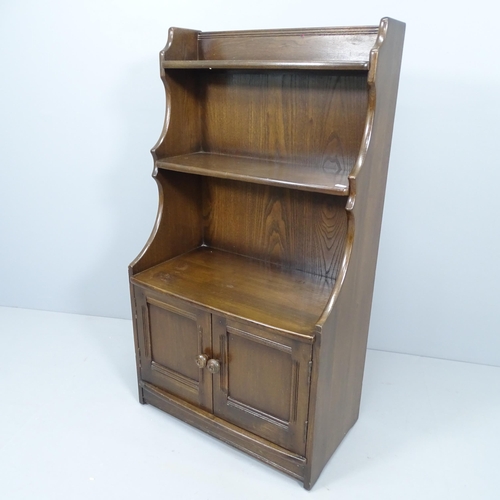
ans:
(257, 364)
(247, 64)
(290, 228)
(313, 44)
(182, 101)
(342, 347)
(295, 116)
(263, 449)
(261, 171)
(289, 300)
(252, 297)
(173, 334)
(307, 141)
(179, 194)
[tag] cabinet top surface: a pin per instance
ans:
(260, 292)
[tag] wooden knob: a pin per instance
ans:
(201, 360)
(213, 366)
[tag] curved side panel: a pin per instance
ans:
(368, 177)
(179, 135)
(341, 276)
(345, 322)
(182, 45)
(182, 217)
(181, 132)
(135, 267)
(372, 101)
(166, 122)
(360, 162)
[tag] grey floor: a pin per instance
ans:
(71, 427)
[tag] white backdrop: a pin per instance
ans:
(81, 104)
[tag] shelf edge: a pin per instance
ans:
(316, 188)
(261, 64)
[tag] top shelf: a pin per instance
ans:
(268, 65)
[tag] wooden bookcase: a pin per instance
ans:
(251, 300)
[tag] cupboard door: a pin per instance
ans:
(263, 382)
(174, 335)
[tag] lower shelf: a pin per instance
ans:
(242, 287)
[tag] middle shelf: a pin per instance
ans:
(321, 179)
(247, 288)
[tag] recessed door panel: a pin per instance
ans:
(175, 340)
(262, 385)
(259, 371)
(174, 334)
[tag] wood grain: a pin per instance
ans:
(267, 390)
(267, 363)
(181, 132)
(342, 348)
(285, 116)
(262, 449)
(173, 334)
(323, 44)
(260, 171)
(293, 229)
(178, 194)
(246, 288)
(271, 168)
(175, 339)
(249, 64)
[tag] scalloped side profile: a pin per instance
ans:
(271, 169)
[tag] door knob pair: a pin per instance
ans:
(212, 365)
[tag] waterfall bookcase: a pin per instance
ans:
(251, 299)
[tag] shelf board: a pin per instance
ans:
(259, 171)
(242, 287)
(260, 64)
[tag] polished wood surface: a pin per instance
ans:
(184, 195)
(248, 64)
(292, 116)
(261, 171)
(257, 365)
(292, 229)
(313, 44)
(246, 288)
(341, 353)
(251, 299)
(249, 442)
(173, 334)
(292, 127)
